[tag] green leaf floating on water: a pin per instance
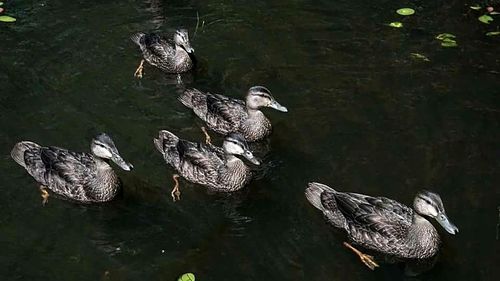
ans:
(444, 36)
(405, 11)
(476, 7)
(1, 3)
(396, 24)
(447, 40)
(419, 56)
(494, 13)
(493, 33)
(449, 43)
(485, 19)
(186, 277)
(7, 19)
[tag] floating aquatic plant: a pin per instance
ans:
(396, 24)
(443, 36)
(186, 277)
(449, 43)
(405, 11)
(447, 40)
(485, 19)
(475, 7)
(419, 56)
(7, 19)
(493, 33)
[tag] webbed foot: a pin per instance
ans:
(366, 259)
(176, 193)
(45, 194)
(138, 72)
(208, 139)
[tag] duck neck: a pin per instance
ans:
(254, 112)
(181, 56)
(106, 183)
(256, 126)
(236, 173)
(423, 237)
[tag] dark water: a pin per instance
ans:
(364, 116)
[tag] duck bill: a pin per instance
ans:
(443, 220)
(188, 48)
(120, 162)
(274, 104)
(250, 157)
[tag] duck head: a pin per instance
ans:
(181, 39)
(236, 144)
(429, 204)
(103, 146)
(259, 96)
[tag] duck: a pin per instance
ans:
(172, 57)
(78, 176)
(383, 224)
(226, 115)
(217, 168)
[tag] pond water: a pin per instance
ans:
(364, 116)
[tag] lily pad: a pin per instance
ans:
(7, 19)
(444, 36)
(1, 3)
(186, 277)
(419, 56)
(494, 13)
(449, 43)
(476, 7)
(405, 11)
(396, 24)
(485, 19)
(493, 33)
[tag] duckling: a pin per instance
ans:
(175, 57)
(211, 166)
(382, 224)
(79, 176)
(226, 115)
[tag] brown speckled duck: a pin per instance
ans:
(382, 224)
(79, 176)
(226, 115)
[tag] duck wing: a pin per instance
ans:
(225, 113)
(199, 162)
(156, 50)
(374, 221)
(63, 171)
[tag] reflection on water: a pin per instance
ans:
(364, 117)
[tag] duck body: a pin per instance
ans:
(78, 176)
(227, 115)
(171, 57)
(379, 223)
(204, 164)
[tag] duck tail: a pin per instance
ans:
(313, 194)
(17, 153)
(190, 97)
(165, 140)
(136, 38)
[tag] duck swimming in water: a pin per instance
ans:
(226, 115)
(78, 176)
(171, 57)
(214, 167)
(382, 224)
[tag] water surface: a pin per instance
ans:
(364, 116)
